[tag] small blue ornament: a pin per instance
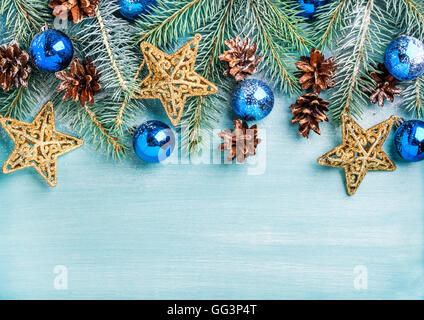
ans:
(252, 100)
(132, 9)
(153, 141)
(409, 140)
(309, 7)
(404, 58)
(51, 50)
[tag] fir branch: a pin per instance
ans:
(19, 103)
(201, 112)
(414, 97)
(289, 25)
(24, 18)
(356, 51)
(200, 118)
(329, 23)
(409, 16)
(278, 53)
(222, 26)
(172, 19)
(108, 40)
(107, 44)
(87, 123)
(128, 107)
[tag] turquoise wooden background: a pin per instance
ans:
(134, 230)
(198, 231)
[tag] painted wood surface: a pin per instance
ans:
(205, 231)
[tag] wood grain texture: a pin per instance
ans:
(135, 230)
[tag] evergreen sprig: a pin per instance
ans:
(202, 112)
(277, 29)
(357, 49)
(414, 97)
(274, 24)
(19, 103)
(173, 19)
(360, 29)
(108, 40)
(91, 126)
(409, 17)
(329, 23)
(23, 19)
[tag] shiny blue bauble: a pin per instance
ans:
(404, 58)
(252, 100)
(409, 140)
(132, 9)
(51, 51)
(154, 141)
(309, 7)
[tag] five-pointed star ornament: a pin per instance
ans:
(37, 144)
(172, 78)
(361, 151)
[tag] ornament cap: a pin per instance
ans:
(45, 27)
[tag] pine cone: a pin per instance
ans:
(75, 9)
(309, 110)
(241, 58)
(385, 86)
(316, 71)
(82, 83)
(241, 142)
(14, 67)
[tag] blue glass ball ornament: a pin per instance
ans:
(409, 140)
(404, 58)
(252, 100)
(132, 9)
(51, 50)
(154, 141)
(309, 7)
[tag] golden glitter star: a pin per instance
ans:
(172, 78)
(361, 151)
(37, 144)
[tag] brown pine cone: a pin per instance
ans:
(309, 110)
(384, 87)
(241, 58)
(241, 142)
(14, 67)
(76, 9)
(82, 83)
(316, 71)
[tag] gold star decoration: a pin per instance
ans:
(361, 151)
(37, 144)
(172, 78)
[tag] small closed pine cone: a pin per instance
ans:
(316, 71)
(241, 58)
(75, 9)
(14, 67)
(82, 83)
(384, 87)
(241, 142)
(309, 110)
